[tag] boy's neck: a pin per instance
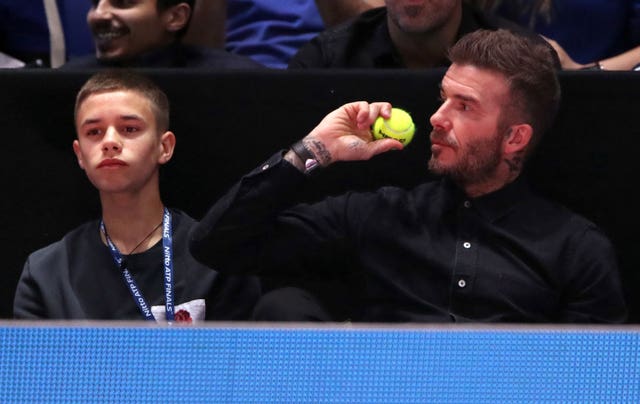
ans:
(129, 220)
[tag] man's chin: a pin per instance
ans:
(436, 167)
(109, 55)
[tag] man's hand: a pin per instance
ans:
(566, 61)
(345, 135)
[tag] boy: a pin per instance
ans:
(134, 262)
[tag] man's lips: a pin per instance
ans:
(103, 38)
(439, 143)
(106, 163)
(440, 140)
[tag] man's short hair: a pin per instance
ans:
(112, 80)
(530, 66)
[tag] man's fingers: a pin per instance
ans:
(382, 146)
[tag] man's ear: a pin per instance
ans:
(517, 138)
(176, 17)
(76, 150)
(167, 145)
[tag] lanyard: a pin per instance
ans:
(167, 249)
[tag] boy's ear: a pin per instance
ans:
(167, 145)
(76, 150)
(176, 17)
(518, 138)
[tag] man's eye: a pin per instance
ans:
(130, 129)
(123, 3)
(93, 132)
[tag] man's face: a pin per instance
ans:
(467, 140)
(124, 29)
(118, 143)
(421, 16)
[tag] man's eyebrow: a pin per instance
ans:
(465, 98)
(461, 97)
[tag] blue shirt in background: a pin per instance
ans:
(271, 31)
(589, 30)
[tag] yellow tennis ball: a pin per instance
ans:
(399, 126)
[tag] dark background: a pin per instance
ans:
(228, 122)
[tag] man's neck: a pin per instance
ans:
(477, 189)
(425, 50)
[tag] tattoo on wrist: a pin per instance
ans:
(320, 151)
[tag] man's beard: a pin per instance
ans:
(475, 164)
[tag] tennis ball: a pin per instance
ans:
(399, 126)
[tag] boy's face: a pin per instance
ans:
(125, 29)
(119, 145)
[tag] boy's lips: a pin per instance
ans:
(111, 163)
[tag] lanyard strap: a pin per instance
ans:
(167, 250)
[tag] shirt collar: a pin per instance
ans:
(499, 203)
(385, 54)
(491, 206)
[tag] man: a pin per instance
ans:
(133, 263)
(147, 33)
(271, 32)
(404, 34)
(475, 245)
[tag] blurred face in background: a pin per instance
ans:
(125, 29)
(421, 16)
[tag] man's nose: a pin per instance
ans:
(101, 10)
(439, 119)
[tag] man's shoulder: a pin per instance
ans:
(550, 214)
(219, 59)
(82, 62)
(177, 55)
(395, 195)
(362, 42)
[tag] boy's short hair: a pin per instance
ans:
(126, 80)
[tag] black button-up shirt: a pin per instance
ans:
(428, 254)
(365, 42)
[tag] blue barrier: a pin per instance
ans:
(271, 363)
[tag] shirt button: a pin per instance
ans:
(467, 204)
(462, 283)
(264, 167)
(466, 244)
